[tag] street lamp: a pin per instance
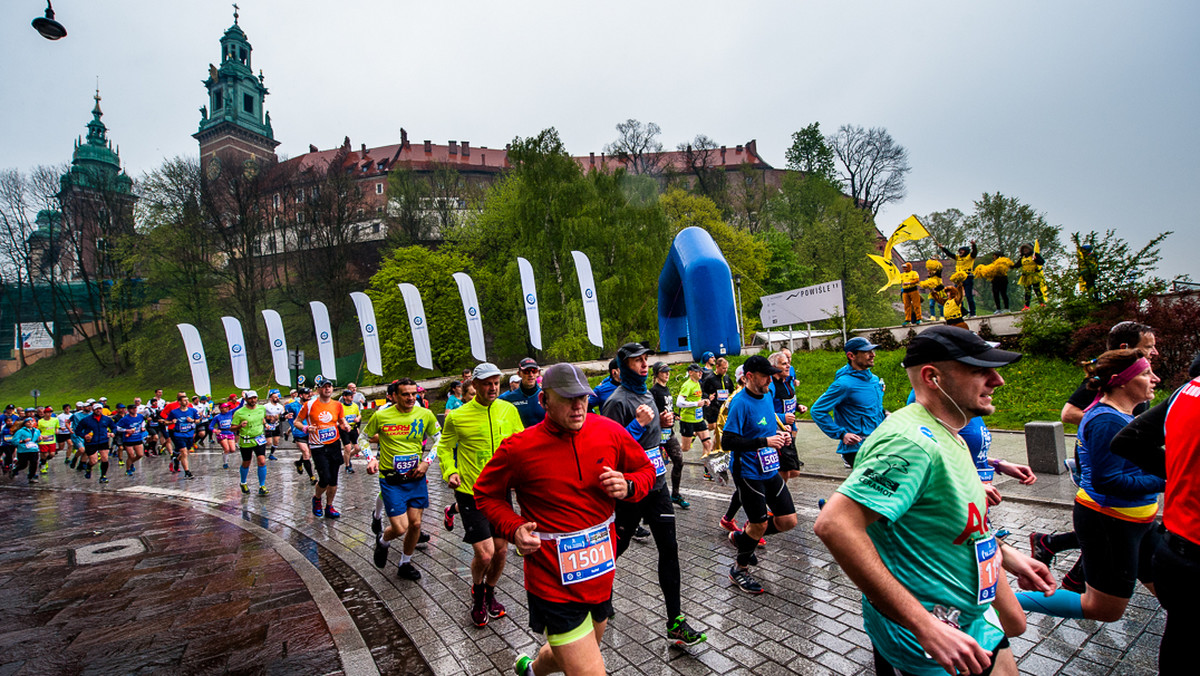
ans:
(47, 26)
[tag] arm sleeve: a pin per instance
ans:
(1109, 474)
(822, 409)
(684, 403)
(732, 441)
(445, 449)
(1141, 441)
(491, 492)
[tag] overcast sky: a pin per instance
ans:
(1085, 110)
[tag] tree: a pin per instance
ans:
(946, 227)
(1003, 224)
(810, 154)
(702, 162)
(872, 165)
(408, 223)
(637, 147)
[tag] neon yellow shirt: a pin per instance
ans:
(401, 435)
(476, 431)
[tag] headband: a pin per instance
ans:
(1118, 379)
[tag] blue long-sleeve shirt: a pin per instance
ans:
(1107, 478)
(98, 426)
(852, 404)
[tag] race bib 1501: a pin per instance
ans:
(586, 555)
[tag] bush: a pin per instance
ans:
(1044, 331)
(884, 339)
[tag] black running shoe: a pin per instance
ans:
(381, 553)
(1071, 584)
(641, 533)
(423, 541)
(299, 466)
(376, 524)
(744, 581)
(410, 572)
(681, 633)
(1038, 548)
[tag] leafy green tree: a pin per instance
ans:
(945, 227)
(810, 154)
(1001, 223)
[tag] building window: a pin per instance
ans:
(379, 209)
(277, 221)
(218, 99)
(299, 216)
(375, 228)
(299, 195)
(248, 103)
(275, 201)
(316, 191)
(378, 188)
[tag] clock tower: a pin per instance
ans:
(234, 126)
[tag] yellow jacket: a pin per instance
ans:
(476, 431)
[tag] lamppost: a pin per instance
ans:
(47, 26)
(737, 283)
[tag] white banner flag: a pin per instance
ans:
(196, 359)
(237, 352)
(320, 316)
(370, 331)
(529, 292)
(279, 351)
(591, 305)
(420, 328)
(466, 289)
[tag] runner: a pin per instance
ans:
(359, 398)
(691, 416)
(203, 416)
(514, 382)
(25, 441)
(182, 419)
(716, 387)
(852, 407)
(10, 422)
(76, 462)
(527, 395)
(247, 424)
(48, 426)
(909, 525)
(407, 435)
(132, 426)
(62, 435)
(272, 421)
(632, 407)
(469, 439)
(670, 443)
(605, 387)
(350, 437)
(321, 420)
(753, 438)
(569, 512)
(293, 409)
(786, 409)
(454, 398)
(96, 430)
(223, 428)
(159, 429)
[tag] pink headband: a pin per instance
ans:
(1116, 380)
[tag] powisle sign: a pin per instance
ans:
(801, 306)
(35, 336)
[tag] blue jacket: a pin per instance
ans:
(528, 406)
(1109, 479)
(602, 391)
(99, 427)
(855, 400)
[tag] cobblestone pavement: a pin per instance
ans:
(808, 622)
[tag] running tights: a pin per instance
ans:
(30, 459)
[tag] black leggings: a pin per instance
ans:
(327, 459)
(1000, 292)
(656, 509)
(8, 452)
(30, 459)
(675, 452)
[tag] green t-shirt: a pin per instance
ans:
(252, 434)
(921, 479)
(401, 436)
(690, 391)
(48, 428)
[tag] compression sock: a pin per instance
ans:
(245, 472)
(1061, 603)
(377, 513)
(308, 467)
(771, 528)
(262, 475)
(735, 503)
(104, 468)
(745, 547)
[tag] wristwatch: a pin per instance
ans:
(628, 489)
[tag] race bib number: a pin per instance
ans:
(722, 395)
(586, 555)
(789, 406)
(31, 445)
(986, 475)
(656, 459)
(403, 464)
(988, 561)
(351, 419)
(768, 458)
(326, 435)
(665, 435)
(260, 440)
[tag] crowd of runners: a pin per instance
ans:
(589, 470)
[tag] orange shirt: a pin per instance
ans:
(322, 419)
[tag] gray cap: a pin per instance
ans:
(485, 370)
(566, 380)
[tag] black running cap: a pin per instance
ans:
(760, 364)
(631, 350)
(951, 343)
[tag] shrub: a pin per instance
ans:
(1044, 331)
(884, 339)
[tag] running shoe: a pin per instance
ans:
(1039, 550)
(707, 475)
(67, 460)
(33, 479)
(313, 480)
(316, 507)
(331, 513)
(730, 525)
(678, 499)
(299, 466)
(523, 666)
(245, 489)
(381, 553)
(681, 633)
(188, 474)
(744, 581)
(225, 466)
(87, 474)
(263, 492)
(45, 469)
(1073, 468)
(120, 463)
(349, 469)
(448, 518)
(495, 609)
(479, 616)
(641, 533)
(376, 524)
(272, 456)
(846, 463)
(423, 541)
(408, 571)
(1071, 584)
(821, 504)
(103, 479)
(128, 472)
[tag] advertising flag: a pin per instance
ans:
(370, 331)
(530, 301)
(196, 359)
(591, 304)
(237, 352)
(416, 322)
(279, 351)
(466, 289)
(320, 315)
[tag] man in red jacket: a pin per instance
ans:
(567, 472)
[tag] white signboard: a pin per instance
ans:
(800, 306)
(35, 336)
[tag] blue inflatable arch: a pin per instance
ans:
(696, 310)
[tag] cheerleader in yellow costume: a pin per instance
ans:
(910, 294)
(996, 272)
(952, 305)
(964, 260)
(934, 286)
(1031, 262)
